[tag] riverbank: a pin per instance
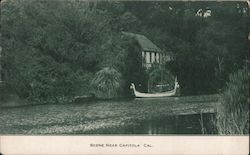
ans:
(96, 116)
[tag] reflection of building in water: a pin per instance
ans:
(150, 52)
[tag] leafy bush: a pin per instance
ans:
(50, 56)
(106, 82)
(233, 113)
(51, 49)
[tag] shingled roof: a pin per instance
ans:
(145, 43)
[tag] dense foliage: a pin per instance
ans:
(53, 49)
(106, 82)
(233, 114)
(207, 49)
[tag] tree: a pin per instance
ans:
(43, 40)
(48, 48)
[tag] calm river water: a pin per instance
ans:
(184, 124)
(110, 117)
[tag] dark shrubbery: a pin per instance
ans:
(53, 49)
(233, 113)
(106, 83)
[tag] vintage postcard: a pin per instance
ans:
(124, 77)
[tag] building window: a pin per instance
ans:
(157, 58)
(147, 57)
(152, 57)
(143, 54)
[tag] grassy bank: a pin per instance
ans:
(233, 113)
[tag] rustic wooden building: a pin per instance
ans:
(149, 51)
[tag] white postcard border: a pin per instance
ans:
(124, 145)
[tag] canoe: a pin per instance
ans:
(155, 95)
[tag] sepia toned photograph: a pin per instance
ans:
(72, 67)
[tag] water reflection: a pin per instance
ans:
(183, 124)
(110, 117)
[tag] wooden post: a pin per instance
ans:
(1, 78)
(161, 77)
(0, 64)
(1, 82)
(148, 83)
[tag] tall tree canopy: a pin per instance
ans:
(52, 49)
